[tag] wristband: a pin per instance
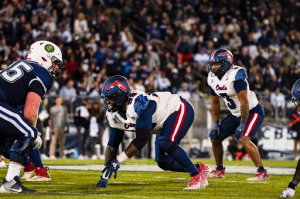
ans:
(122, 157)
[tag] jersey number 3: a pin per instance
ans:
(15, 72)
(230, 102)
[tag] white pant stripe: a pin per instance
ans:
(251, 124)
(178, 122)
(17, 117)
(14, 123)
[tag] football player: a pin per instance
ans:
(290, 191)
(132, 110)
(230, 83)
(24, 83)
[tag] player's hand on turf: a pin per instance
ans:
(37, 142)
(102, 182)
(215, 131)
(111, 167)
(287, 193)
(240, 130)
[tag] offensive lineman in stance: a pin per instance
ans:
(230, 83)
(290, 191)
(24, 83)
(132, 110)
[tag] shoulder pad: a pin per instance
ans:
(140, 104)
(42, 74)
(241, 74)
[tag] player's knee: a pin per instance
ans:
(168, 146)
(21, 149)
(167, 166)
(245, 140)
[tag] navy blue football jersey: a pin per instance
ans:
(20, 78)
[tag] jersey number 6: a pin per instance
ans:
(15, 72)
(230, 102)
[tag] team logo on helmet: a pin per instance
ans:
(226, 54)
(119, 84)
(49, 48)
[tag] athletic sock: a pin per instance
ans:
(13, 170)
(260, 169)
(36, 158)
(182, 158)
(178, 168)
(220, 167)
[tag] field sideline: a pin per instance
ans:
(169, 185)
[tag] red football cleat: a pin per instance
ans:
(197, 182)
(217, 173)
(205, 169)
(41, 175)
(28, 171)
(260, 176)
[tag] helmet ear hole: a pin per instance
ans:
(44, 59)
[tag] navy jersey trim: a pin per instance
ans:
(39, 80)
(241, 75)
(140, 104)
(212, 92)
(145, 119)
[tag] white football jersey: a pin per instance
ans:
(225, 89)
(166, 104)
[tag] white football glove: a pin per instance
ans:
(37, 142)
(288, 193)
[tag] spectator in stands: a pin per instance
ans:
(278, 102)
(139, 85)
(244, 59)
(152, 57)
(273, 84)
(201, 57)
(82, 122)
(183, 50)
(58, 123)
(68, 92)
(162, 83)
(184, 92)
(235, 42)
(81, 26)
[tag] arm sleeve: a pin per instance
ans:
(212, 92)
(115, 137)
(240, 85)
(140, 104)
(37, 87)
(145, 119)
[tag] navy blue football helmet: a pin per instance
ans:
(295, 93)
(117, 90)
(223, 57)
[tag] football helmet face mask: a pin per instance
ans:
(47, 55)
(115, 92)
(295, 94)
(220, 62)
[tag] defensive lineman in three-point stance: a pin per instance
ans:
(230, 83)
(131, 110)
(24, 83)
(290, 191)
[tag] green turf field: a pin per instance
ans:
(81, 184)
(147, 161)
(164, 185)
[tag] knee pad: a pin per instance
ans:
(23, 146)
(168, 146)
(166, 165)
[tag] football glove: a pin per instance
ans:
(287, 193)
(37, 142)
(102, 182)
(111, 167)
(215, 131)
(240, 130)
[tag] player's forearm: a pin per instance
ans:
(32, 119)
(110, 153)
(244, 112)
(215, 110)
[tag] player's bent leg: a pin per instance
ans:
(19, 154)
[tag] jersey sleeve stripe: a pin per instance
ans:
(38, 79)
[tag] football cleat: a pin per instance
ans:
(260, 176)
(28, 171)
(2, 163)
(205, 169)
(287, 193)
(198, 181)
(217, 173)
(41, 175)
(14, 186)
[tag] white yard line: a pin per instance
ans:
(155, 168)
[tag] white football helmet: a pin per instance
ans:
(48, 55)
